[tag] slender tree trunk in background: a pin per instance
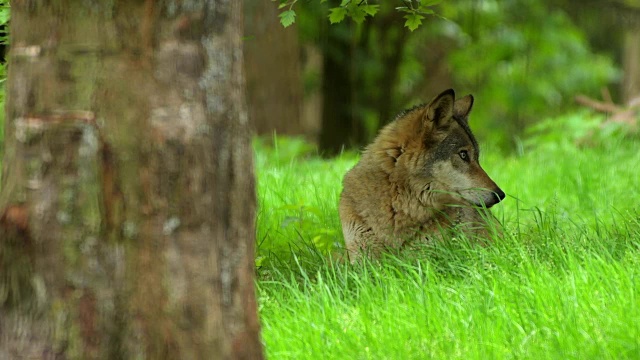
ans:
(127, 203)
(390, 78)
(272, 62)
(311, 115)
(339, 125)
(393, 39)
(631, 64)
(350, 89)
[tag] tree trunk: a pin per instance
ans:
(127, 204)
(393, 38)
(340, 127)
(274, 84)
(352, 88)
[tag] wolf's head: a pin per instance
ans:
(442, 160)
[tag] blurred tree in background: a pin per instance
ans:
(612, 28)
(524, 60)
(277, 73)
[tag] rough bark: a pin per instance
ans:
(274, 84)
(127, 203)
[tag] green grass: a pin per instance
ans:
(564, 283)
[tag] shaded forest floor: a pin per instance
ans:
(564, 283)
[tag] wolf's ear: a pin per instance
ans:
(462, 107)
(440, 109)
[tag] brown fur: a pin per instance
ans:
(413, 181)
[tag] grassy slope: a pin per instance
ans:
(565, 284)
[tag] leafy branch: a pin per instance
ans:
(358, 10)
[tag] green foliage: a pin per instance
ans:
(337, 14)
(582, 129)
(416, 11)
(522, 60)
(287, 17)
(563, 281)
(413, 21)
(358, 10)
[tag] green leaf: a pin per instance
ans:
(371, 10)
(357, 14)
(337, 14)
(259, 261)
(413, 21)
(287, 17)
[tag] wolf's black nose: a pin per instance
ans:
(496, 196)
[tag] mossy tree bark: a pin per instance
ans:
(127, 203)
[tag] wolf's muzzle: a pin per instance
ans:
(498, 195)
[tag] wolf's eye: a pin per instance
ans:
(464, 155)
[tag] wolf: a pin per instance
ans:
(421, 175)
